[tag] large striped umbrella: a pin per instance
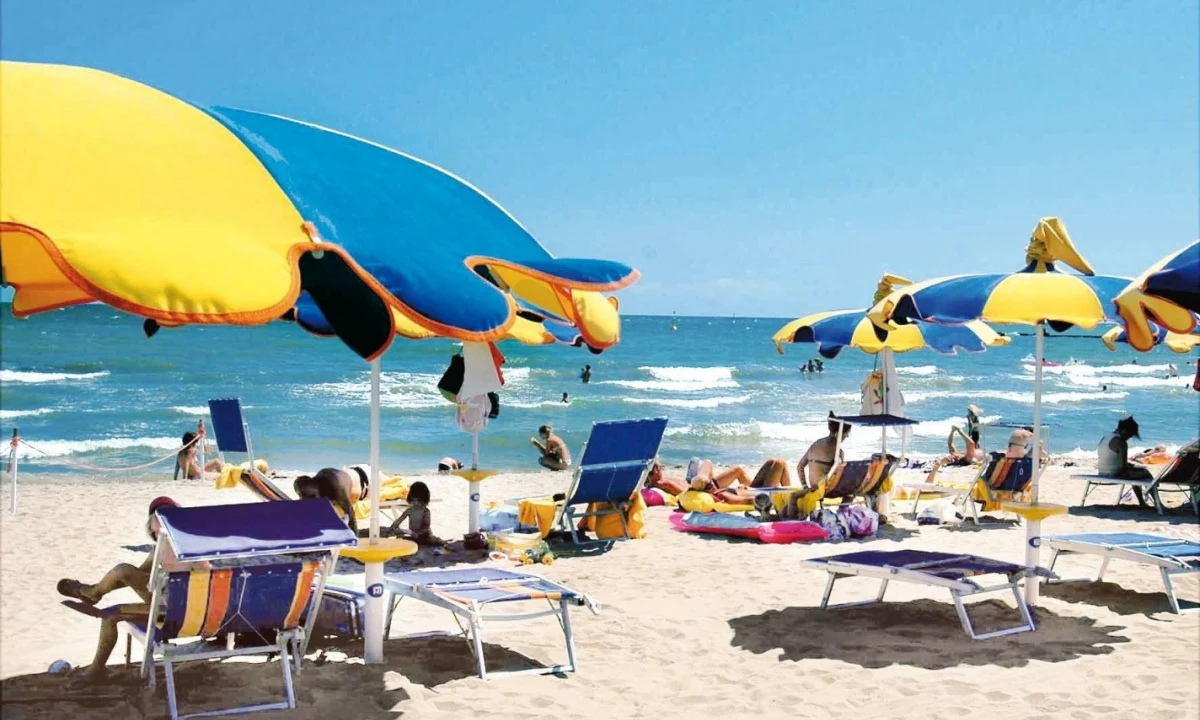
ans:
(1175, 342)
(1167, 294)
(113, 191)
(1039, 294)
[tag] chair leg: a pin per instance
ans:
(828, 590)
(128, 649)
(477, 641)
(172, 703)
(286, 662)
(566, 623)
(1170, 587)
(1103, 569)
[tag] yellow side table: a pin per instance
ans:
(474, 477)
(1033, 513)
(374, 555)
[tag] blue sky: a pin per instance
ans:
(759, 158)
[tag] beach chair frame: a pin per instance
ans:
(1153, 486)
(470, 615)
(912, 573)
(1135, 552)
(290, 643)
(567, 516)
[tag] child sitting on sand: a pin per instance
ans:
(419, 520)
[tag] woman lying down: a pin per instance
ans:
(733, 486)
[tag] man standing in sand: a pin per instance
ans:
(555, 455)
(820, 455)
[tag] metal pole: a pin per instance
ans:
(12, 467)
(473, 487)
(886, 410)
(1033, 527)
(200, 441)
(373, 625)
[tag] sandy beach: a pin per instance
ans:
(688, 625)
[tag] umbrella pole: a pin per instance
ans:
(1033, 526)
(373, 627)
(886, 410)
(474, 487)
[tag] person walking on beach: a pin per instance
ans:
(586, 374)
(555, 455)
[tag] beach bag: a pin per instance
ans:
(832, 523)
(494, 410)
(860, 521)
(452, 379)
(942, 512)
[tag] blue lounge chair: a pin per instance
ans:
(613, 467)
(1002, 478)
(1171, 556)
(935, 569)
(267, 567)
(468, 592)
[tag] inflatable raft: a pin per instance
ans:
(780, 531)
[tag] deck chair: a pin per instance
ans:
(233, 436)
(933, 569)
(1181, 474)
(268, 565)
(1171, 556)
(1002, 478)
(612, 469)
(851, 479)
(469, 593)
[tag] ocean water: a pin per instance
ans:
(86, 388)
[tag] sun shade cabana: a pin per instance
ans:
(1038, 294)
(1167, 294)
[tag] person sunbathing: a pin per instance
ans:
(733, 485)
(124, 575)
(970, 455)
(343, 488)
(186, 463)
(819, 458)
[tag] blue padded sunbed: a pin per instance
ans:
(936, 569)
(1171, 556)
(467, 592)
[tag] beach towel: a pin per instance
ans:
(537, 513)
(609, 526)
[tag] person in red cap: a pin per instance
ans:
(124, 575)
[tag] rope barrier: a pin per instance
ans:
(84, 466)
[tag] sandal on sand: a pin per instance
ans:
(74, 590)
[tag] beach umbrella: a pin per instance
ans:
(113, 191)
(1168, 294)
(832, 331)
(1039, 294)
(1175, 342)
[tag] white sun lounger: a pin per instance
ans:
(1181, 474)
(468, 592)
(934, 569)
(1171, 556)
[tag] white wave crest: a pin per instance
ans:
(62, 448)
(24, 376)
(5, 414)
(1050, 398)
(918, 370)
(405, 391)
(688, 403)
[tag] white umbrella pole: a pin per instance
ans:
(886, 410)
(373, 627)
(474, 487)
(1033, 527)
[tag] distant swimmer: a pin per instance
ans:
(586, 374)
(820, 365)
(1172, 371)
(566, 400)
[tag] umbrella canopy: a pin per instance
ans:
(114, 191)
(1167, 294)
(1038, 294)
(832, 331)
(1175, 342)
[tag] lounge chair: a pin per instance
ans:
(233, 436)
(467, 593)
(612, 469)
(848, 480)
(934, 569)
(268, 563)
(1002, 478)
(1182, 474)
(1171, 556)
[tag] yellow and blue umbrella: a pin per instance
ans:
(114, 191)
(1167, 294)
(1175, 342)
(1039, 294)
(832, 331)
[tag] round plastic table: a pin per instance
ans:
(374, 555)
(474, 478)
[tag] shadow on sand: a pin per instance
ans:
(1122, 601)
(920, 633)
(334, 683)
